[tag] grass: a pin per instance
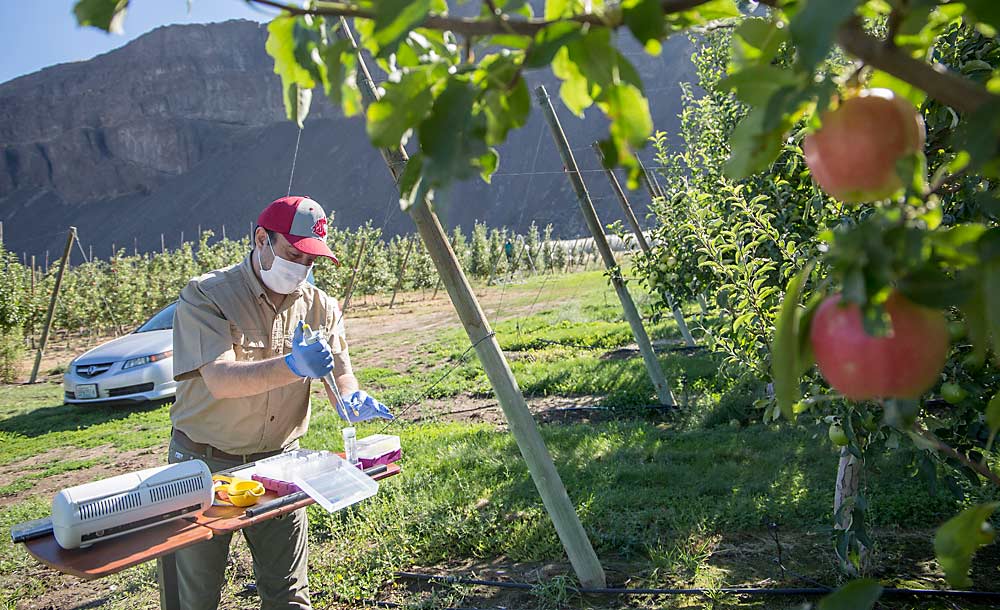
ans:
(680, 500)
(646, 495)
(554, 348)
(53, 468)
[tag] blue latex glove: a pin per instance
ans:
(360, 407)
(314, 360)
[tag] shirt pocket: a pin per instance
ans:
(249, 344)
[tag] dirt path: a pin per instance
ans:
(110, 462)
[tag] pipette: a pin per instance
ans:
(311, 336)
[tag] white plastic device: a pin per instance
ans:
(122, 504)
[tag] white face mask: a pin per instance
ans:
(284, 276)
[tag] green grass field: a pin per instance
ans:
(668, 499)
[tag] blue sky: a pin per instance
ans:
(40, 33)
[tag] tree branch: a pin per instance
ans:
(479, 27)
(941, 446)
(946, 87)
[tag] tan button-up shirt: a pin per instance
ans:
(228, 310)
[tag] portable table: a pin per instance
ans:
(111, 556)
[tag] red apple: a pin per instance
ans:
(853, 155)
(904, 364)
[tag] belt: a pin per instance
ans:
(211, 452)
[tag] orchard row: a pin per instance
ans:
(121, 292)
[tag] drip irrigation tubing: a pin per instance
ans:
(775, 591)
(673, 348)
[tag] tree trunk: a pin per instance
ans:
(849, 471)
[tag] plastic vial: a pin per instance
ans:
(350, 444)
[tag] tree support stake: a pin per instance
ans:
(52, 305)
(653, 368)
(643, 244)
(522, 425)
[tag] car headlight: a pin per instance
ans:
(143, 360)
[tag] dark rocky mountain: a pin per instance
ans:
(184, 127)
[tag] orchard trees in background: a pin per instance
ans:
(117, 294)
(14, 314)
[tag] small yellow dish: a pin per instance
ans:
(244, 493)
(239, 492)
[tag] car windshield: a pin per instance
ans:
(163, 320)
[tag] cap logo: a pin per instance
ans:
(319, 229)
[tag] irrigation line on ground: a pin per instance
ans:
(803, 591)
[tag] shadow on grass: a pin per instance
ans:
(60, 418)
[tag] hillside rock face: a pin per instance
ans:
(184, 127)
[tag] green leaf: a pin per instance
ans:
(631, 123)
(488, 164)
(756, 41)
(549, 41)
(296, 81)
(280, 45)
(785, 352)
(644, 18)
(755, 85)
(855, 595)
(991, 295)
(958, 540)
(452, 137)
(108, 15)
(393, 21)
(993, 414)
(704, 13)
(600, 62)
(340, 76)
(754, 148)
(574, 90)
(885, 80)
(297, 102)
(556, 9)
(979, 332)
(814, 28)
(505, 110)
(985, 11)
(806, 357)
(404, 105)
(932, 287)
(410, 179)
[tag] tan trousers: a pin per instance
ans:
(280, 558)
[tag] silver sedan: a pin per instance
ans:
(136, 368)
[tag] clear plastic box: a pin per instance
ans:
(378, 449)
(329, 479)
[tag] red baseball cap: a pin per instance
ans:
(303, 223)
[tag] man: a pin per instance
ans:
(244, 370)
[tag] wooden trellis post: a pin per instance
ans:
(402, 271)
(522, 425)
(52, 305)
(643, 244)
(653, 368)
(354, 274)
(652, 187)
